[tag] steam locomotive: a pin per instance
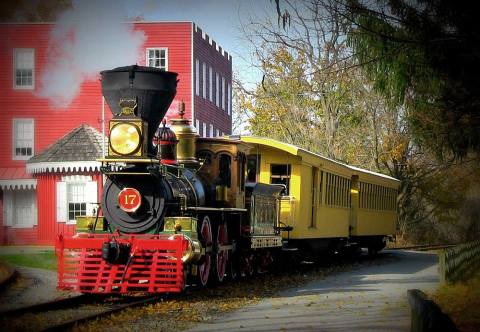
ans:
(181, 210)
(171, 216)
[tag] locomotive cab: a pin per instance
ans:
(224, 165)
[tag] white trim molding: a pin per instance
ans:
(16, 122)
(165, 49)
(64, 167)
(16, 52)
(17, 184)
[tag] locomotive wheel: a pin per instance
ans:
(251, 266)
(221, 256)
(205, 234)
(232, 267)
(247, 265)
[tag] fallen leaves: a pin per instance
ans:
(182, 311)
(461, 301)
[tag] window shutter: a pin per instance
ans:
(7, 208)
(62, 202)
(91, 197)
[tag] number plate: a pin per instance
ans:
(129, 199)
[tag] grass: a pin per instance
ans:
(461, 301)
(44, 260)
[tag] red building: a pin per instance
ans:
(37, 201)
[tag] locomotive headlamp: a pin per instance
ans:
(125, 138)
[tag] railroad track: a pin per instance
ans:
(424, 247)
(63, 314)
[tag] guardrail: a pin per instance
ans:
(426, 315)
(458, 262)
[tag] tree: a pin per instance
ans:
(424, 55)
(304, 65)
(315, 94)
(32, 10)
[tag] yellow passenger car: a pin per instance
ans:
(327, 203)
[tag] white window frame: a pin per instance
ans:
(197, 77)
(15, 56)
(210, 132)
(70, 185)
(204, 80)
(217, 89)
(90, 196)
(199, 128)
(223, 93)
(155, 49)
(229, 98)
(15, 138)
(197, 125)
(204, 132)
(210, 83)
(11, 208)
(217, 133)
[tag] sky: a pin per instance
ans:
(99, 25)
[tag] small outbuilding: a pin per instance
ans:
(68, 183)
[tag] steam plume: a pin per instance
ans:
(87, 39)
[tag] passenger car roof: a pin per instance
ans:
(308, 156)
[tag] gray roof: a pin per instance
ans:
(84, 143)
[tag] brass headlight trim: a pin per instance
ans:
(125, 138)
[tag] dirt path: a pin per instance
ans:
(31, 286)
(372, 298)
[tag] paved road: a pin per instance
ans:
(371, 298)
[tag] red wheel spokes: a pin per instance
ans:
(204, 268)
(222, 255)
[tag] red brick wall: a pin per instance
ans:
(177, 38)
(205, 50)
(50, 123)
(48, 227)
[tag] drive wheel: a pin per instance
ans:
(232, 267)
(205, 235)
(221, 255)
(247, 264)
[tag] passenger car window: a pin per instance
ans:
(280, 174)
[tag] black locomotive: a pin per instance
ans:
(176, 209)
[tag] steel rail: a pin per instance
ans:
(112, 309)
(76, 302)
(424, 247)
(46, 306)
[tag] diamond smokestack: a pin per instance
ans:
(152, 89)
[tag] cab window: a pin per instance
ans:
(224, 166)
(280, 174)
(253, 168)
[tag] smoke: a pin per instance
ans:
(85, 40)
